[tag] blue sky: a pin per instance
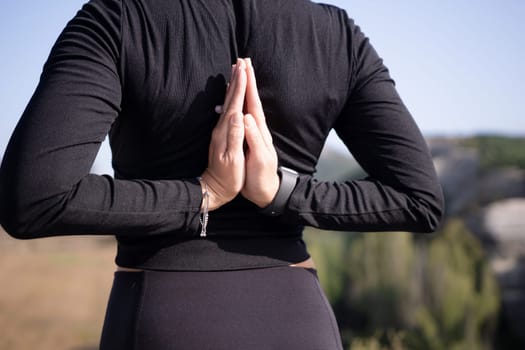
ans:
(459, 65)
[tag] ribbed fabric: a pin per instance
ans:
(150, 73)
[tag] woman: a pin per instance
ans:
(209, 227)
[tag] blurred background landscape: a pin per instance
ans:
(459, 67)
(460, 288)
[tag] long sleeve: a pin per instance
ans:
(149, 73)
(45, 185)
(401, 191)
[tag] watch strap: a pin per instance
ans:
(288, 181)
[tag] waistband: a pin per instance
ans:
(211, 253)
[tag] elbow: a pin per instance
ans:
(432, 221)
(431, 211)
(11, 221)
(435, 212)
(22, 219)
(17, 231)
(20, 225)
(31, 204)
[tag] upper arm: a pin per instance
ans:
(380, 132)
(71, 111)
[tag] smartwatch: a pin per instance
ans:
(288, 181)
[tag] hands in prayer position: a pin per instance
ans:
(231, 170)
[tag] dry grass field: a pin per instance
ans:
(53, 291)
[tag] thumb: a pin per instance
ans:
(235, 134)
(253, 134)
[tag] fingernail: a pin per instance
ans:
(249, 61)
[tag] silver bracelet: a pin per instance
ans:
(204, 214)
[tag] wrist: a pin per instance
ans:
(205, 203)
(210, 198)
(204, 207)
(288, 180)
(271, 189)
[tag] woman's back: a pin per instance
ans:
(151, 73)
(176, 57)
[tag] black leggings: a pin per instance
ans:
(272, 308)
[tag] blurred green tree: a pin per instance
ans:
(387, 289)
(498, 151)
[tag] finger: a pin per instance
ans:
(254, 104)
(235, 96)
(231, 77)
(236, 92)
(235, 134)
(232, 71)
(220, 108)
(227, 97)
(253, 135)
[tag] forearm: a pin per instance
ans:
(45, 185)
(46, 193)
(401, 191)
(363, 205)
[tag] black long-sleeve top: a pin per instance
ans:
(150, 73)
